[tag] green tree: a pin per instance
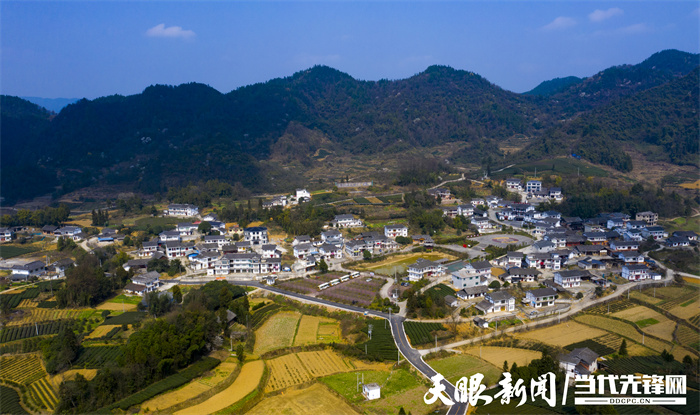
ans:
(366, 255)
(204, 228)
(623, 348)
(177, 294)
(240, 353)
(495, 285)
(322, 266)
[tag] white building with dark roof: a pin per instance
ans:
(497, 301)
(256, 235)
(186, 210)
(540, 297)
(424, 268)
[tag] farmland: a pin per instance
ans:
(277, 332)
(38, 315)
(627, 330)
(192, 389)
(316, 399)
(293, 369)
(9, 334)
(496, 355)
(393, 383)
(648, 365)
(358, 291)
(130, 317)
(688, 337)
(22, 369)
(456, 366)
(95, 357)
(421, 333)
(103, 331)
(170, 382)
(246, 382)
(563, 334)
(400, 263)
(260, 315)
(11, 251)
(9, 401)
(43, 394)
(314, 329)
(381, 346)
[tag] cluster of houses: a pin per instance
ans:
(534, 189)
(300, 196)
(25, 271)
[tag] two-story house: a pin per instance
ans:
(182, 210)
(516, 275)
(424, 268)
(514, 185)
(581, 361)
(497, 301)
(346, 221)
(392, 231)
(256, 235)
(150, 280)
(471, 275)
(540, 297)
(569, 279)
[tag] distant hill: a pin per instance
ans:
(174, 135)
(51, 104)
(661, 122)
(620, 81)
(551, 87)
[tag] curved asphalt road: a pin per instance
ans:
(412, 355)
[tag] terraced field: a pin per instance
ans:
(278, 331)
(688, 337)
(316, 399)
(294, 369)
(564, 333)
(22, 369)
(496, 355)
(43, 394)
(39, 315)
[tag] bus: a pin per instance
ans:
(334, 282)
(323, 286)
(344, 278)
(354, 274)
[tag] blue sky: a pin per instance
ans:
(97, 48)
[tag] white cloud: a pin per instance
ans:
(600, 15)
(171, 32)
(634, 29)
(561, 22)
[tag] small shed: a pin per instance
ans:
(371, 391)
(480, 322)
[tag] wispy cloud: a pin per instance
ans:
(600, 15)
(634, 29)
(561, 22)
(170, 32)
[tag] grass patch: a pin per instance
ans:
(130, 317)
(126, 299)
(687, 303)
(454, 367)
(392, 383)
(646, 322)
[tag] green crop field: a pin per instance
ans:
(646, 322)
(261, 314)
(13, 333)
(130, 317)
(382, 345)
(421, 333)
(439, 290)
(457, 366)
(127, 299)
(11, 251)
(95, 357)
(9, 401)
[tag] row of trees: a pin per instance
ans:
(41, 217)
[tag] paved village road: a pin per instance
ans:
(412, 355)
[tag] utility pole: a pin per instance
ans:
(436, 342)
(642, 338)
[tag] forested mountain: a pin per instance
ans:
(174, 135)
(553, 86)
(620, 81)
(662, 122)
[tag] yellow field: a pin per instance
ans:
(373, 199)
(691, 185)
(639, 313)
(405, 259)
(686, 312)
(246, 382)
(24, 369)
(27, 303)
(307, 331)
(623, 329)
(563, 334)
(286, 371)
(497, 355)
(614, 341)
(317, 399)
(278, 331)
(37, 315)
(646, 298)
(294, 369)
(663, 330)
(43, 394)
(100, 331)
(116, 307)
(314, 329)
(56, 380)
(192, 389)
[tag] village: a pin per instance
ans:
(515, 267)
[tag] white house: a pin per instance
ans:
(332, 236)
(392, 231)
(346, 221)
(424, 268)
(182, 210)
(301, 239)
(465, 210)
(220, 240)
(517, 274)
(303, 250)
(471, 275)
(656, 232)
(169, 236)
(650, 218)
(270, 251)
(541, 297)
(5, 234)
(472, 292)
(677, 241)
(330, 251)
(533, 186)
(151, 280)
(582, 361)
(631, 257)
(371, 391)
(72, 232)
(302, 195)
(30, 269)
(186, 229)
(568, 279)
(178, 249)
(497, 301)
(637, 272)
(514, 185)
(256, 235)
(624, 245)
(482, 223)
